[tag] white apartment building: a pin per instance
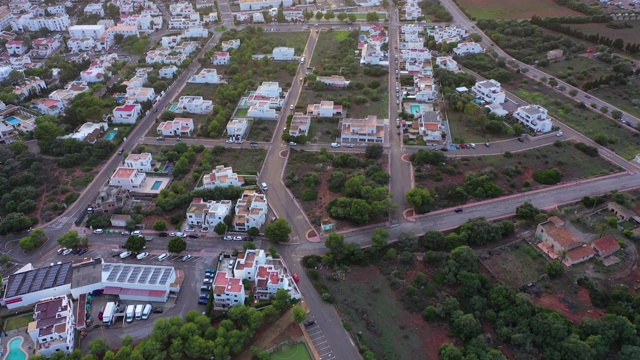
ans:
(53, 327)
(467, 48)
(263, 4)
(237, 127)
(210, 18)
(534, 117)
(44, 47)
(257, 18)
(490, 91)
(368, 130)
(94, 9)
(87, 31)
(283, 54)
(176, 127)
(196, 32)
(179, 22)
(208, 213)
(181, 8)
(251, 211)
(426, 90)
(448, 34)
(16, 47)
(94, 74)
(194, 104)
(141, 162)
(324, 109)
(206, 76)
(227, 291)
(29, 22)
(334, 80)
(125, 30)
(300, 125)
(221, 176)
(139, 94)
(127, 178)
(168, 72)
(76, 45)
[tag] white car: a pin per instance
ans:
(207, 281)
(473, 146)
(350, 146)
(228, 237)
(137, 233)
(559, 133)
(142, 255)
(67, 252)
(237, 238)
(98, 231)
(125, 254)
(293, 143)
(335, 145)
(186, 257)
(181, 234)
(61, 250)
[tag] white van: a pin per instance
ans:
(130, 311)
(139, 309)
(264, 186)
(125, 254)
(163, 256)
(146, 312)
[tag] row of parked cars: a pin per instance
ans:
(65, 251)
(238, 238)
(206, 287)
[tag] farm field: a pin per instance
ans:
(513, 173)
(515, 9)
(578, 68)
(627, 35)
(627, 97)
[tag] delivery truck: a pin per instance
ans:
(130, 312)
(108, 314)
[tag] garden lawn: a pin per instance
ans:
(295, 352)
(515, 9)
(18, 322)
(262, 130)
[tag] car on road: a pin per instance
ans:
(473, 146)
(186, 258)
(559, 133)
(444, 149)
(521, 139)
(98, 231)
(61, 250)
(253, 144)
(181, 234)
(292, 143)
(207, 281)
(587, 96)
(309, 323)
(194, 236)
(67, 252)
(163, 234)
(487, 144)
(291, 107)
(335, 145)
(205, 288)
(247, 238)
(120, 152)
(126, 233)
(230, 141)
(82, 252)
(350, 146)
(137, 233)
(228, 237)
(458, 210)
(160, 138)
(237, 238)
(142, 255)
(296, 278)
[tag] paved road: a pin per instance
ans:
(461, 19)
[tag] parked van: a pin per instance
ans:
(139, 309)
(130, 312)
(163, 256)
(146, 312)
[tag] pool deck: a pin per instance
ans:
(14, 334)
(151, 180)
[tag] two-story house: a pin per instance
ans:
(369, 130)
(208, 213)
(53, 327)
(251, 211)
(490, 91)
(221, 176)
(176, 127)
(141, 162)
(534, 117)
(126, 114)
(324, 109)
(128, 179)
(300, 125)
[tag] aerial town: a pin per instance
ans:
(367, 179)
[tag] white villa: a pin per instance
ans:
(193, 104)
(490, 91)
(300, 125)
(128, 179)
(206, 76)
(141, 162)
(176, 127)
(369, 129)
(534, 117)
(284, 54)
(467, 48)
(334, 80)
(237, 127)
(208, 213)
(448, 34)
(324, 109)
(222, 176)
(251, 211)
(126, 114)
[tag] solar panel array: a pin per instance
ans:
(37, 283)
(63, 274)
(144, 276)
(134, 274)
(51, 276)
(13, 288)
(106, 267)
(38, 279)
(165, 276)
(124, 273)
(154, 276)
(27, 282)
(114, 273)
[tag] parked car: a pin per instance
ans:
(458, 210)
(521, 139)
(186, 257)
(292, 143)
(76, 251)
(473, 146)
(137, 233)
(308, 323)
(253, 144)
(67, 252)
(126, 233)
(142, 255)
(181, 234)
(237, 238)
(207, 281)
(205, 288)
(350, 146)
(194, 236)
(487, 144)
(559, 133)
(98, 231)
(125, 254)
(208, 270)
(158, 310)
(228, 237)
(335, 145)
(163, 234)
(296, 278)
(248, 238)
(203, 301)
(83, 251)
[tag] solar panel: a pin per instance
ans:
(51, 276)
(134, 274)
(114, 273)
(106, 267)
(27, 282)
(165, 276)
(144, 276)
(13, 289)
(37, 283)
(154, 276)
(125, 272)
(62, 275)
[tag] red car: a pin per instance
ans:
(296, 278)
(463, 146)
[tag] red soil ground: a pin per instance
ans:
(554, 302)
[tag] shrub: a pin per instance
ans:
(589, 150)
(548, 176)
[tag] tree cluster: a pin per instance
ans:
(547, 176)
(435, 8)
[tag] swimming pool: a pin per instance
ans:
(110, 136)
(15, 350)
(13, 120)
(120, 98)
(156, 185)
(415, 108)
(173, 107)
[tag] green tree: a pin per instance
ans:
(278, 231)
(299, 315)
(98, 347)
(467, 327)
(36, 238)
(220, 228)
(352, 18)
(373, 151)
(527, 211)
(342, 16)
(176, 245)
(373, 17)
(573, 92)
(555, 270)
(420, 199)
(273, 251)
(72, 240)
(616, 114)
(319, 15)
(160, 225)
(253, 231)
(135, 243)
(379, 239)
(329, 15)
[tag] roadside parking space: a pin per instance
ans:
(319, 341)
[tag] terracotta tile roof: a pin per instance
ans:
(563, 236)
(580, 253)
(605, 245)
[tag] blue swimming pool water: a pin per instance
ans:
(415, 109)
(13, 120)
(168, 168)
(110, 136)
(173, 107)
(156, 185)
(15, 352)
(119, 98)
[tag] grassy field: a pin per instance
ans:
(515, 9)
(627, 35)
(244, 161)
(329, 52)
(515, 264)
(18, 322)
(262, 130)
(625, 97)
(295, 352)
(296, 40)
(324, 130)
(462, 130)
(514, 173)
(207, 91)
(622, 141)
(579, 68)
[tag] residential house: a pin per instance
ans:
(230, 44)
(168, 72)
(141, 162)
(261, 109)
(89, 132)
(251, 211)
(50, 106)
(237, 127)
(210, 18)
(200, 4)
(412, 11)
(490, 91)
(126, 114)
(448, 34)
(324, 109)
(20, 63)
(128, 179)
(83, 31)
(430, 127)
(92, 75)
(208, 213)
(369, 130)
(7, 133)
(76, 45)
(605, 246)
(300, 125)
(465, 48)
(70, 91)
(425, 89)
(196, 32)
(257, 17)
(170, 41)
(221, 58)
(194, 104)
(54, 326)
(181, 8)
(621, 212)
(269, 89)
(44, 47)
(372, 55)
(227, 291)
(5, 17)
(283, 54)
(176, 127)
(534, 117)
(94, 9)
(418, 54)
(31, 22)
(293, 14)
(334, 80)
(221, 176)
(16, 47)
(558, 241)
(241, 16)
(448, 63)
(30, 86)
(178, 22)
(263, 4)
(496, 109)
(206, 76)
